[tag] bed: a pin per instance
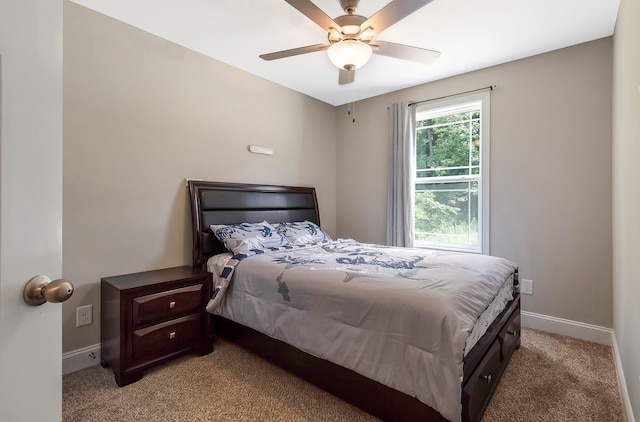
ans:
(399, 383)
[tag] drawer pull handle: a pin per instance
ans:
(172, 304)
(487, 378)
(172, 335)
(512, 332)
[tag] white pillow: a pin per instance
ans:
(302, 232)
(242, 238)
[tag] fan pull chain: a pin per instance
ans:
(349, 113)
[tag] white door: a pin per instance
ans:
(30, 207)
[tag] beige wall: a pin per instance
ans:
(142, 114)
(626, 195)
(550, 173)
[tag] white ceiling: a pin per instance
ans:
(471, 34)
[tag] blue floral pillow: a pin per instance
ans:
(302, 232)
(241, 238)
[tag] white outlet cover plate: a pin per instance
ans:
(84, 315)
(526, 287)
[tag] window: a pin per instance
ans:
(452, 174)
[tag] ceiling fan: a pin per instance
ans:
(350, 36)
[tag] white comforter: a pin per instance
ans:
(396, 315)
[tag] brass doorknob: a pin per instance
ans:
(41, 289)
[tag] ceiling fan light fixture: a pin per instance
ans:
(349, 54)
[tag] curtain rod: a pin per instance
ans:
(490, 87)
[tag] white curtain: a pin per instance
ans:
(400, 205)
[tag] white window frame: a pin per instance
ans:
(450, 106)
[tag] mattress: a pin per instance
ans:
(403, 317)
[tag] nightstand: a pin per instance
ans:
(154, 316)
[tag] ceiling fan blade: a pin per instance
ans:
(392, 13)
(404, 52)
(346, 76)
(314, 13)
(294, 51)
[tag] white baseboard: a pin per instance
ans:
(80, 358)
(566, 327)
(624, 392)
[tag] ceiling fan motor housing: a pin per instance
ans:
(350, 25)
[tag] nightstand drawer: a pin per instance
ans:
(166, 305)
(165, 338)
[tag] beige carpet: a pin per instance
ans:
(550, 378)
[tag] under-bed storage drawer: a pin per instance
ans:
(510, 336)
(479, 386)
(166, 305)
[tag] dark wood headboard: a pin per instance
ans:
(233, 203)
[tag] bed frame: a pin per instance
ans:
(230, 203)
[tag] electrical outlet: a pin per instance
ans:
(84, 315)
(526, 286)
